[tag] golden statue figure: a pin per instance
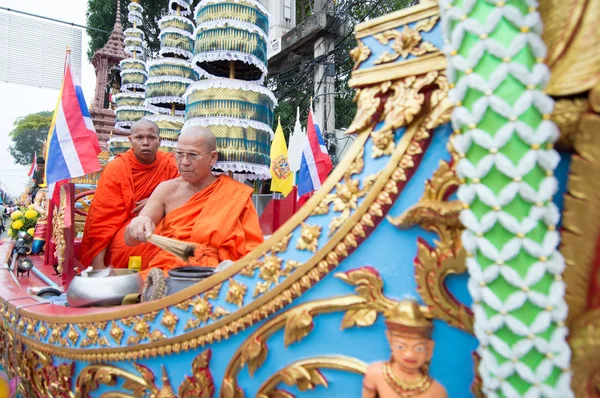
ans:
(405, 375)
(40, 204)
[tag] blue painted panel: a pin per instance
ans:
(562, 174)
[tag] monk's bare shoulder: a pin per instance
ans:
(168, 187)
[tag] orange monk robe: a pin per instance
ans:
(221, 219)
(123, 182)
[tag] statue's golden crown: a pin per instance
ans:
(409, 319)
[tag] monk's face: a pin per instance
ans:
(144, 141)
(194, 159)
(410, 353)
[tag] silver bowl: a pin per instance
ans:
(104, 291)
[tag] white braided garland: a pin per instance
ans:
(552, 312)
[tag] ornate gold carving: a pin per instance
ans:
(581, 216)
(58, 229)
(56, 333)
(584, 339)
(360, 54)
(572, 35)
(41, 331)
(345, 198)
(41, 377)
(141, 327)
(92, 335)
(305, 374)
(202, 311)
(200, 384)
(116, 332)
(309, 237)
(433, 265)
(361, 310)
(408, 42)
(370, 105)
(169, 320)
(236, 293)
(270, 272)
(566, 115)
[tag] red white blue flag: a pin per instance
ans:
(33, 168)
(73, 148)
(316, 163)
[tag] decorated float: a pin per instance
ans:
(438, 231)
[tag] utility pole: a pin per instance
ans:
(325, 76)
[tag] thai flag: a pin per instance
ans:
(316, 163)
(73, 147)
(33, 168)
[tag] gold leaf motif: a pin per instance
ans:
(213, 293)
(566, 115)
(434, 264)
(254, 353)
(201, 384)
(42, 332)
(304, 379)
(236, 293)
(231, 390)
(359, 54)
(169, 320)
(270, 272)
(297, 326)
(359, 317)
(92, 335)
(116, 333)
(309, 237)
(282, 245)
(407, 42)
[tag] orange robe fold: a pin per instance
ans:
(123, 182)
(221, 219)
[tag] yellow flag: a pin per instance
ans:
(282, 178)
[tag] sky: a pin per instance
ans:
(19, 100)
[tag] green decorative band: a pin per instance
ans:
(176, 22)
(129, 99)
(240, 11)
(230, 103)
(246, 145)
(172, 67)
(127, 114)
(176, 40)
(131, 63)
(231, 39)
(169, 126)
(173, 90)
(133, 78)
(133, 41)
(135, 32)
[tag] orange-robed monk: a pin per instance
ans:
(215, 212)
(124, 188)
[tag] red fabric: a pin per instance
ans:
(124, 182)
(221, 219)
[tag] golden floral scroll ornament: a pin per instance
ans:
(309, 237)
(92, 335)
(92, 376)
(306, 374)
(270, 271)
(433, 264)
(39, 374)
(202, 310)
(346, 194)
(360, 54)
(141, 327)
(236, 293)
(169, 320)
(58, 229)
(407, 42)
(360, 310)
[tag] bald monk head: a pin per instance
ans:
(144, 140)
(196, 154)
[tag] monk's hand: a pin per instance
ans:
(140, 205)
(141, 228)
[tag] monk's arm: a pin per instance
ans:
(250, 223)
(142, 226)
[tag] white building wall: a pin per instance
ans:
(281, 21)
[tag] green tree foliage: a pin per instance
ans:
(28, 136)
(101, 15)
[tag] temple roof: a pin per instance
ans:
(114, 47)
